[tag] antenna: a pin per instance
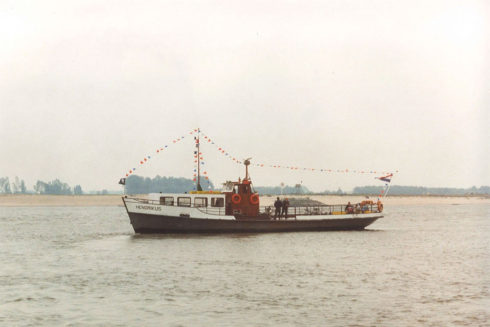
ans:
(298, 188)
(198, 186)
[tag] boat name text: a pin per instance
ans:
(148, 208)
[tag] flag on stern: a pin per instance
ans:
(386, 178)
(122, 181)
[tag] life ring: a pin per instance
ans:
(236, 198)
(254, 199)
(380, 206)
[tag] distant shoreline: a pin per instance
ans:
(89, 200)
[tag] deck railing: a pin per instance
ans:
(143, 201)
(220, 211)
(336, 209)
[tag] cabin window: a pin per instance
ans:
(184, 202)
(167, 200)
(217, 202)
(200, 202)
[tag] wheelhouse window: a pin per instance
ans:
(217, 202)
(200, 202)
(184, 202)
(167, 200)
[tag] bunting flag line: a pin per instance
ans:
(205, 139)
(323, 170)
(158, 151)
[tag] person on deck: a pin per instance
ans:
(285, 206)
(277, 205)
(349, 208)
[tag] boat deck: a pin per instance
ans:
(268, 212)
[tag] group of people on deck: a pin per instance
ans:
(281, 208)
(349, 208)
(358, 207)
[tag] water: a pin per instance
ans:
(421, 265)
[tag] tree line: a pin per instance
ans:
(56, 187)
(53, 187)
(141, 185)
(277, 190)
(17, 186)
(134, 185)
(420, 190)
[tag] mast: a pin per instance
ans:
(387, 188)
(198, 186)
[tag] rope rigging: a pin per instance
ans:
(199, 161)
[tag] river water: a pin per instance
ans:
(83, 266)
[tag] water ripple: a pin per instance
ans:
(84, 266)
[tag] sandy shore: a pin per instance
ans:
(28, 200)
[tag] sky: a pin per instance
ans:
(89, 88)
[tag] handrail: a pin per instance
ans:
(220, 211)
(145, 201)
(326, 209)
(293, 211)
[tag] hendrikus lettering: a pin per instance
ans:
(148, 208)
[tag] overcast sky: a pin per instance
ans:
(89, 88)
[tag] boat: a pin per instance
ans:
(236, 209)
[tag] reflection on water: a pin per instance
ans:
(84, 266)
